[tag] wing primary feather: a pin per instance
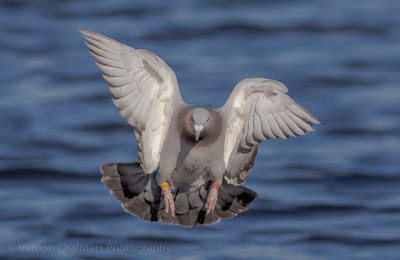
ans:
(117, 81)
(311, 117)
(282, 124)
(103, 53)
(292, 125)
(116, 50)
(275, 127)
(267, 128)
(110, 48)
(295, 108)
(107, 61)
(112, 71)
(125, 101)
(133, 121)
(122, 91)
(243, 141)
(101, 38)
(258, 134)
(250, 131)
(300, 122)
(128, 111)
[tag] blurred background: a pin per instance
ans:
(332, 194)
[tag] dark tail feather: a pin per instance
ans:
(231, 201)
(140, 195)
(137, 191)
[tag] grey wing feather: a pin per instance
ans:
(145, 92)
(259, 109)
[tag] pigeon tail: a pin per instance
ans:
(140, 195)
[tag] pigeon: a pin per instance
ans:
(193, 160)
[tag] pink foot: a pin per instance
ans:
(169, 202)
(212, 197)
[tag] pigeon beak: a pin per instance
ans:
(198, 129)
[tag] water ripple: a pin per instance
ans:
(243, 28)
(349, 240)
(42, 174)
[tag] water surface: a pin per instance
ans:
(332, 194)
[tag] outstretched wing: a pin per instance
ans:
(145, 92)
(259, 109)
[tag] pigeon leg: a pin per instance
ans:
(212, 197)
(169, 200)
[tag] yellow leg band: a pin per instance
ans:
(165, 186)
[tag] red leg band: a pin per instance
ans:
(216, 185)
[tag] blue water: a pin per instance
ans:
(332, 194)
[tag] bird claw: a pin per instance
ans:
(212, 197)
(169, 202)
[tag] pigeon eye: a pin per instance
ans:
(208, 119)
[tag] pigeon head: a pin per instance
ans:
(199, 121)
